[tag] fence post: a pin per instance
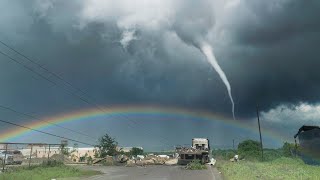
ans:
(5, 157)
(30, 155)
(49, 153)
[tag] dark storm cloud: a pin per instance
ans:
(270, 55)
(274, 53)
(92, 58)
(276, 21)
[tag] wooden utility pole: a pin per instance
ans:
(233, 144)
(261, 145)
(5, 157)
(30, 155)
(49, 153)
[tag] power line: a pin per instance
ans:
(60, 78)
(43, 132)
(28, 68)
(54, 124)
(42, 67)
(45, 78)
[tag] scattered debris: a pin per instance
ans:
(212, 162)
(235, 158)
(140, 157)
(131, 163)
(122, 158)
(171, 162)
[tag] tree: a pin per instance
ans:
(136, 151)
(288, 149)
(249, 149)
(64, 150)
(107, 146)
(75, 148)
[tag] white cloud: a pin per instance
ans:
(42, 6)
(285, 120)
(127, 13)
(232, 4)
(127, 37)
(302, 113)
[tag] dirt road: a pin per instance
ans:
(153, 173)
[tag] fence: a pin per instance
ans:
(27, 154)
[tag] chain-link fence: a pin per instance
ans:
(27, 154)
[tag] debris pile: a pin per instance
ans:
(152, 160)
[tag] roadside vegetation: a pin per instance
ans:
(279, 163)
(47, 170)
(107, 149)
(281, 168)
(196, 165)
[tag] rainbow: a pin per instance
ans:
(127, 112)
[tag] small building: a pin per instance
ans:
(40, 150)
(309, 142)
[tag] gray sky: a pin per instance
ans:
(145, 52)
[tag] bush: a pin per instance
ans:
(89, 160)
(196, 165)
(288, 149)
(249, 149)
(136, 151)
(224, 154)
(271, 154)
(51, 163)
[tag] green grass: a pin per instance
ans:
(45, 172)
(281, 168)
(196, 165)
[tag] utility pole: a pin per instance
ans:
(296, 147)
(5, 157)
(49, 153)
(261, 146)
(233, 144)
(30, 155)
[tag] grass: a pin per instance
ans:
(42, 172)
(281, 168)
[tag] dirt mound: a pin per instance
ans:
(61, 158)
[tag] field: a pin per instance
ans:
(280, 168)
(41, 173)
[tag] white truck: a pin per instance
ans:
(7, 157)
(201, 143)
(200, 150)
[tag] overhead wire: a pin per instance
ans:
(54, 124)
(60, 78)
(44, 132)
(64, 81)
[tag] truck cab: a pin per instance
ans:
(201, 143)
(7, 157)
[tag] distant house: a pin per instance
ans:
(309, 141)
(40, 150)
